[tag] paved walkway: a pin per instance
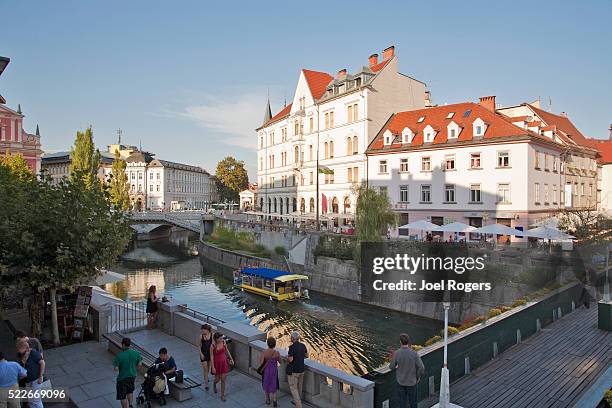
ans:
(87, 369)
(549, 369)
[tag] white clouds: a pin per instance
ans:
(232, 121)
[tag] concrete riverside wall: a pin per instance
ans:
(270, 236)
(211, 257)
(324, 387)
(480, 344)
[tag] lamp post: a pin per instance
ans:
(606, 296)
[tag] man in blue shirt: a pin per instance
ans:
(10, 373)
(168, 361)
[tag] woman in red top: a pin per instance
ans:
(222, 359)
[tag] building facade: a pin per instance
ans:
(57, 165)
(328, 126)
(473, 163)
(13, 138)
(248, 198)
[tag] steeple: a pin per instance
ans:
(19, 108)
(268, 112)
(37, 131)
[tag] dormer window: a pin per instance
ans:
(428, 134)
(357, 82)
(450, 115)
(388, 137)
(421, 119)
(479, 127)
(407, 135)
(453, 130)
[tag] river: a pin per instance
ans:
(350, 336)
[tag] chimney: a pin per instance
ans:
(488, 102)
(341, 74)
(427, 99)
(610, 132)
(388, 52)
(373, 60)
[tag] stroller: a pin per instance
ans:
(153, 386)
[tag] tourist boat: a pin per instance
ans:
(273, 283)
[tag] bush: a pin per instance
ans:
(280, 250)
(451, 330)
(238, 241)
(336, 247)
(608, 397)
(493, 313)
(519, 302)
(416, 347)
(433, 340)
(504, 308)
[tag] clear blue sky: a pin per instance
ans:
(189, 78)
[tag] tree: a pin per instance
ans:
(232, 178)
(119, 188)
(586, 224)
(373, 214)
(85, 158)
(16, 164)
(42, 248)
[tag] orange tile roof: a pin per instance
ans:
(317, 82)
(379, 66)
(281, 114)
(563, 124)
(603, 146)
(519, 118)
(497, 125)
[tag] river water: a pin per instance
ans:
(350, 336)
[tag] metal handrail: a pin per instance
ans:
(202, 316)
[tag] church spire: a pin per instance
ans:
(37, 131)
(268, 112)
(19, 108)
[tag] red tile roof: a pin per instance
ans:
(317, 82)
(379, 66)
(603, 146)
(281, 114)
(497, 125)
(520, 118)
(562, 122)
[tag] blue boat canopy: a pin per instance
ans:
(267, 273)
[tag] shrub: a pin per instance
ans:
(478, 320)
(433, 340)
(280, 250)
(519, 302)
(451, 330)
(608, 397)
(493, 313)
(416, 347)
(504, 308)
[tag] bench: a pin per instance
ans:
(178, 391)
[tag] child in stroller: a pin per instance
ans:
(153, 386)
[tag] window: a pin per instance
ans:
(554, 194)
(132, 175)
(475, 195)
(475, 160)
(421, 119)
(271, 138)
(349, 113)
(327, 120)
(546, 194)
(403, 165)
(452, 130)
(403, 198)
(296, 128)
(428, 134)
(426, 163)
(310, 152)
(355, 174)
(537, 160)
(407, 135)
(452, 134)
(302, 102)
(388, 137)
(478, 127)
(503, 159)
(139, 176)
(326, 150)
(546, 168)
(150, 187)
(355, 113)
(503, 193)
(158, 175)
(311, 124)
(536, 193)
(296, 154)
(331, 149)
(140, 188)
(449, 162)
(555, 164)
(450, 115)
(349, 146)
(382, 167)
(357, 82)
(331, 119)
(355, 145)
(261, 142)
(311, 178)
(449, 193)
(425, 193)
(158, 187)
(283, 135)
(350, 174)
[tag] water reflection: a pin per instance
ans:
(347, 335)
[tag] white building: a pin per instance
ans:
(57, 165)
(248, 197)
(334, 119)
(470, 163)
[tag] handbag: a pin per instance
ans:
(178, 377)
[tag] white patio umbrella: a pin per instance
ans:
(422, 225)
(499, 229)
(455, 227)
(551, 222)
(545, 232)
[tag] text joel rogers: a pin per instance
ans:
(450, 284)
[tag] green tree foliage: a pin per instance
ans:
(85, 158)
(373, 215)
(16, 164)
(119, 188)
(56, 236)
(231, 178)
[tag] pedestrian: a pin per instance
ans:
(126, 362)
(152, 300)
(205, 341)
(269, 379)
(295, 367)
(409, 370)
(32, 341)
(34, 364)
(168, 361)
(10, 374)
(222, 359)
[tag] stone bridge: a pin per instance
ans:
(190, 220)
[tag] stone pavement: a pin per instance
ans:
(86, 368)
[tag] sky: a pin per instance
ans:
(189, 79)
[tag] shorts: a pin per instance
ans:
(125, 386)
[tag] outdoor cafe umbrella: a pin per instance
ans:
(422, 225)
(455, 227)
(498, 229)
(545, 232)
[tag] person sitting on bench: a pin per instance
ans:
(168, 362)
